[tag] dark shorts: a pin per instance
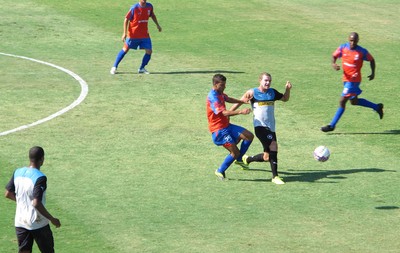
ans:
(266, 136)
(42, 236)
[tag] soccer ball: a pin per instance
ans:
(321, 154)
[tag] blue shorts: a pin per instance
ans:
(227, 136)
(138, 43)
(351, 89)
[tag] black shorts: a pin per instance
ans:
(266, 136)
(42, 236)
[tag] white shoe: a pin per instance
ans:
(143, 71)
(277, 180)
(113, 70)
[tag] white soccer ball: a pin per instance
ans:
(321, 154)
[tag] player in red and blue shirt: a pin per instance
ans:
(224, 133)
(136, 34)
(353, 57)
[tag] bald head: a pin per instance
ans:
(353, 40)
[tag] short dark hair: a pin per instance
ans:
(36, 153)
(217, 78)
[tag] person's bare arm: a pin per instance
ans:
(10, 195)
(247, 96)
(154, 18)
(372, 64)
(125, 33)
(42, 209)
(286, 95)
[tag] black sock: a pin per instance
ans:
(256, 158)
(273, 160)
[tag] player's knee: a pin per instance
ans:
(354, 102)
(266, 156)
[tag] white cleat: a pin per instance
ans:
(113, 70)
(143, 71)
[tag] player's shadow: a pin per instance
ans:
(387, 207)
(394, 131)
(313, 176)
(186, 72)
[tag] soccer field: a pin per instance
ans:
(131, 166)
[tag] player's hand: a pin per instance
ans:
(245, 111)
(56, 222)
(159, 28)
(335, 66)
(288, 85)
(371, 77)
(123, 37)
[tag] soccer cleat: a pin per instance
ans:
(380, 110)
(221, 176)
(143, 71)
(244, 166)
(327, 128)
(113, 70)
(277, 180)
(244, 159)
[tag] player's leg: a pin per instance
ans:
(247, 138)
(262, 135)
(147, 46)
(339, 112)
(25, 240)
(366, 103)
(120, 56)
(229, 159)
(273, 158)
(241, 134)
(223, 138)
(44, 239)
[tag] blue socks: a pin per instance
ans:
(227, 162)
(337, 116)
(122, 53)
(145, 60)
(243, 149)
(361, 102)
(230, 159)
(120, 56)
(366, 103)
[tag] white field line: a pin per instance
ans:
(82, 96)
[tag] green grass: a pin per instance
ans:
(131, 168)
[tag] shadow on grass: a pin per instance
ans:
(185, 72)
(313, 176)
(387, 207)
(366, 133)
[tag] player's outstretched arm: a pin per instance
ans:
(247, 96)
